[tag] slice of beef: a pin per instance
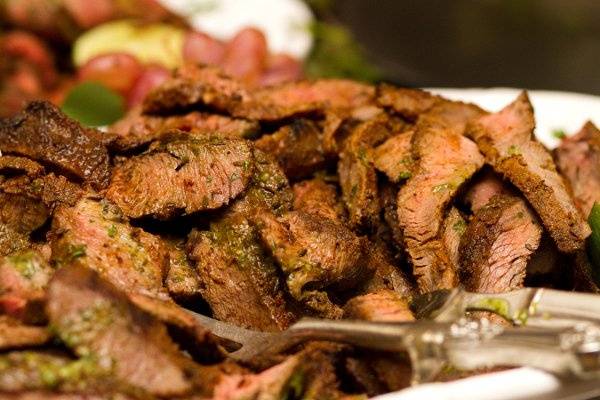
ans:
(44, 133)
(409, 103)
(182, 175)
(506, 139)
(394, 157)
(23, 279)
(94, 319)
(497, 245)
(358, 179)
(315, 254)
(578, 159)
(483, 188)
(193, 85)
(452, 231)
(96, 233)
(385, 305)
(10, 165)
(297, 147)
(454, 114)
(232, 265)
(182, 279)
(21, 213)
(445, 160)
(137, 129)
(389, 198)
(11, 240)
(320, 198)
(49, 189)
(14, 334)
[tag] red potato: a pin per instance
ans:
(88, 13)
(200, 48)
(152, 77)
(246, 55)
(30, 49)
(281, 68)
(118, 71)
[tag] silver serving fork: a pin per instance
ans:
(467, 345)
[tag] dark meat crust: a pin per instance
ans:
(297, 147)
(409, 103)
(137, 129)
(497, 245)
(194, 85)
(446, 160)
(182, 175)
(44, 133)
(506, 139)
(578, 159)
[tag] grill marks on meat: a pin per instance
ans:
(497, 245)
(394, 158)
(385, 305)
(297, 147)
(358, 179)
(578, 159)
(182, 175)
(137, 129)
(446, 160)
(193, 85)
(315, 254)
(44, 133)
(506, 139)
(23, 278)
(97, 321)
(232, 265)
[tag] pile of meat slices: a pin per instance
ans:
(330, 199)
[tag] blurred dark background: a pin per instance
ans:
(537, 44)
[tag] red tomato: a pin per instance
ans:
(152, 77)
(281, 68)
(246, 55)
(88, 13)
(118, 71)
(200, 48)
(30, 49)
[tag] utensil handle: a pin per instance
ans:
(549, 303)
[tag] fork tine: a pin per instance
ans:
(229, 331)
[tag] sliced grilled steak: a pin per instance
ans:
(137, 129)
(483, 188)
(19, 165)
(194, 85)
(578, 159)
(297, 148)
(452, 231)
(497, 245)
(409, 103)
(96, 320)
(23, 214)
(44, 133)
(506, 139)
(11, 240)
(317, 197)
(14, 334)
(182, 279)
(394, 157)
(182, 175)
(97, 234)
(385, 305)
(358, 179)
(445, 160)
(23, 279)
(315, 254)
(232, 265)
